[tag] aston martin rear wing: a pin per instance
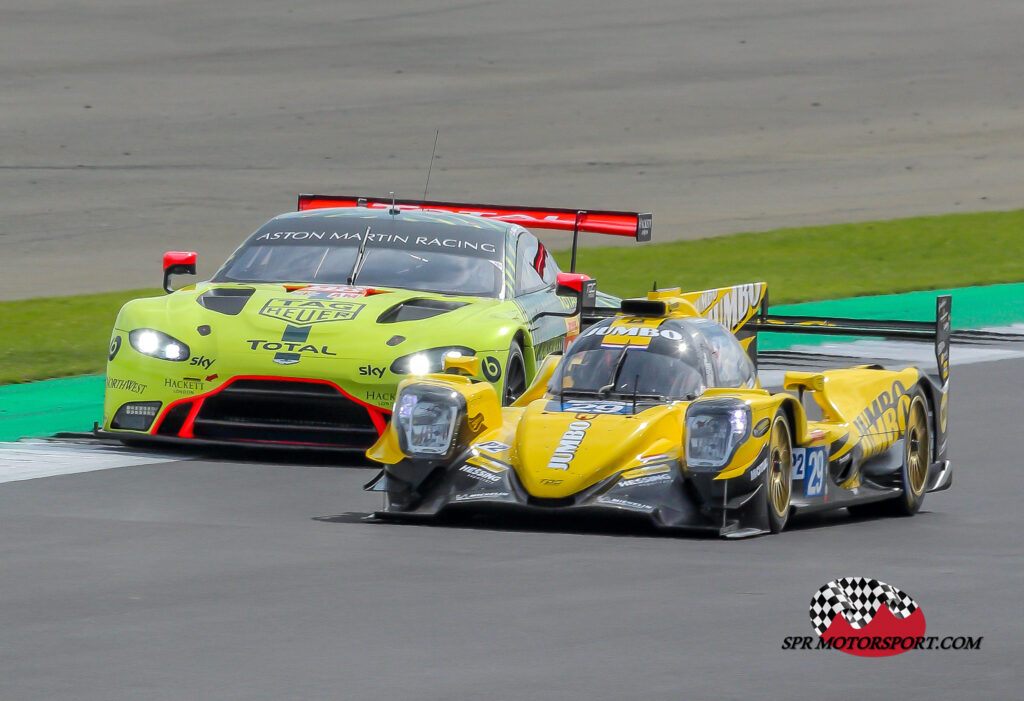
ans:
(936, 332)
(636, 225)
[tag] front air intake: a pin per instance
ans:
(285, 411)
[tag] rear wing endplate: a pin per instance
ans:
(636, 225)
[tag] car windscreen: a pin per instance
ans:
(423, 270)
(625, 371)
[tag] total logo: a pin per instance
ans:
(287, 346)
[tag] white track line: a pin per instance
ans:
(26, 460)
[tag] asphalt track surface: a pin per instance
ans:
(237, 579)
(130, 127)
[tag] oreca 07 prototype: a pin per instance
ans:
(303, 334)
(657, 413)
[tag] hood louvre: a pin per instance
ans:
(418, 309)
(226, 300)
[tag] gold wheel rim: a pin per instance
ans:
(917, 448)
(779, 482)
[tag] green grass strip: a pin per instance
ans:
(64, 336)
(823, 262)
(58, 336)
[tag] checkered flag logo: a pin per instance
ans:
(858, 600)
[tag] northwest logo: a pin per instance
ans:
(306, 312)
(859, 616)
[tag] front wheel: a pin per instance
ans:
(778, 478)
(515, 375)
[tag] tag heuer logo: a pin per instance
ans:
(306, 312)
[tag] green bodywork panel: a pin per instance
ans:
(285, 331)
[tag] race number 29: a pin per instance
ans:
(809, 465)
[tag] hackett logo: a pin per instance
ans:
(306, 312)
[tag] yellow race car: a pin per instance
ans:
(657, 412)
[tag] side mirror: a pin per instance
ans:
(178, 263)
(577, 285)
(581, 286)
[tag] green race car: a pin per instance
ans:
(304, 333)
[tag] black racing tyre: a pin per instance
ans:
(515, 375)
(917, 448)
(778, 478)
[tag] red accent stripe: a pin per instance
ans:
(539, 260)
(615, 223)
(190, 420)
(377, 415)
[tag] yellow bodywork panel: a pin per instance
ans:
(763, 408)
(539, 385)
(467, 365)
(557, 454)
(483, 413)
(386, 450)
(873, 403)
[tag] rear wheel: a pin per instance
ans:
(916, 459)
(779, 475)
(515, 375)
(914, 475)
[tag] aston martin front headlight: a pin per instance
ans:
(157, 344)
(714, 430)
(427, 361)
(427, 418)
